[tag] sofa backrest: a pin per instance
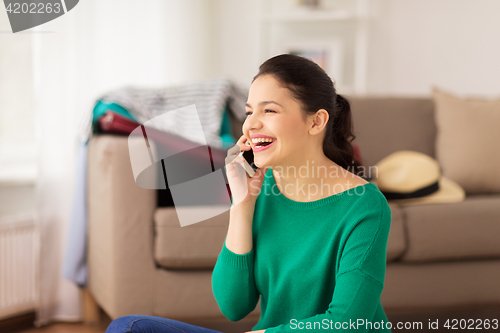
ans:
(383, 125)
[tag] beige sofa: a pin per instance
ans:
(439, 256)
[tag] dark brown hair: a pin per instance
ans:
(311, 86)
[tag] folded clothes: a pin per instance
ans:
(211, 98)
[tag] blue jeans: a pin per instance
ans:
(152, 324)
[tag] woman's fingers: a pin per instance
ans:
(241, 144)
(235, 150)
(244, 143)
(238, 178)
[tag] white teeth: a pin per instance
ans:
(256, 140)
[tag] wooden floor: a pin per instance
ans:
(24, 324)
(241, 327)
(67, 328)
(101, 328)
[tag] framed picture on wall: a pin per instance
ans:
(319, 56)
(328, 55)
(308, 3)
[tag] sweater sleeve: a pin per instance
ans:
(359, 281)
(233, 284)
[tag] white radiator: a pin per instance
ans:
(18, 248)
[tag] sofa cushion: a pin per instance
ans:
(195, 246)
(396, 243)
(453, 231)
(198, 245)
(383, 125)
(467, 141)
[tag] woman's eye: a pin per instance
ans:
(249, 112)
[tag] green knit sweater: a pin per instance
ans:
(318, 265)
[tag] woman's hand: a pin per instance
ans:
(243, 188)
(259, 331)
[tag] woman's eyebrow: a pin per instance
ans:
(264, 103)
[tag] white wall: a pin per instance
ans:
(413, 45)
(237, 33)
(454, 44)
(146, 43)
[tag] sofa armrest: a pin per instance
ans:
(120, 230)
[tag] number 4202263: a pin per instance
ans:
(34, 8)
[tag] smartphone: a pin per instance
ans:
(248, 162)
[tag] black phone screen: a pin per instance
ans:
(248, 156)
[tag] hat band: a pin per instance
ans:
(415, 194)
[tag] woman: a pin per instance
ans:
(305, 234)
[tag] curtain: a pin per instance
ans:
(57, 127)
(96, 47)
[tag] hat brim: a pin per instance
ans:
(449, 191)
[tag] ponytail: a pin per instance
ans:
(339, 135)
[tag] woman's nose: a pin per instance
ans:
(252, 122)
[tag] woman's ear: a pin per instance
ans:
(318, 121)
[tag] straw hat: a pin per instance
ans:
(411, 178)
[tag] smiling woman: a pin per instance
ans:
(293, 94)
(296, 120)
(293, 102)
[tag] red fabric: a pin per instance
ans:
(112, 122)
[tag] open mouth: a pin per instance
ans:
(262, 142)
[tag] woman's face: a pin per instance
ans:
(272, 112)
